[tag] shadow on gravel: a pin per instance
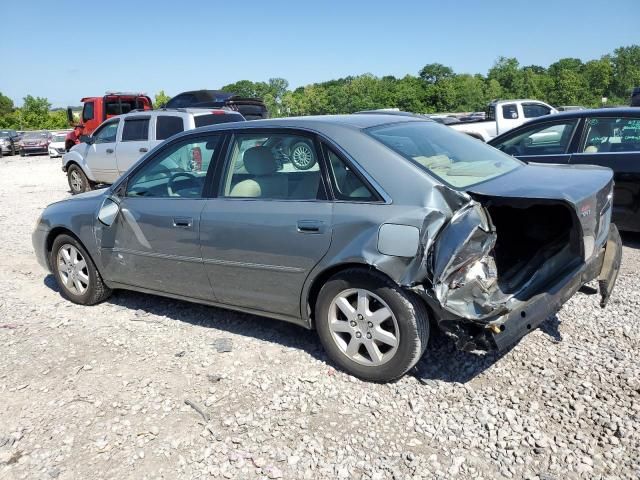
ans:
(630, 239)
(444, 362)
(261, 328)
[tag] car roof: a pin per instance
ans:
(177, 111)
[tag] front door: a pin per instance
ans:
(546, 142)
(100, 155)
(615, 143)
(155, 241)
(134, 142)
(269, 225)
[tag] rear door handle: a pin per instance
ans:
(310, 226)
(182, 222)
(109, 150)
(143, 150)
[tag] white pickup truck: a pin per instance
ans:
(502, 116)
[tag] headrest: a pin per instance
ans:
(260, 161)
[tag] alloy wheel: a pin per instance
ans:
(363, 327)
(302, 156)
(73, 270)
(76, 181)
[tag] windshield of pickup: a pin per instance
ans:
(455, 158)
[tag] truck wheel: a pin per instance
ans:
(369, 326)
(78, 181)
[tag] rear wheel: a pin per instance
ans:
(369, 326)
(75, 272)
(78, 181)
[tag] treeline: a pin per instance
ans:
(436, 88)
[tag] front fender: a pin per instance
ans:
(77, 155)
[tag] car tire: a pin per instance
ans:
(302, 156)
(76, 274)
(407, 325)
(78, 181)
(22, 153)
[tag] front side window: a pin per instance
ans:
(178, 171)
(278, 166)
(87, 112)
(534, 110)
(510, 111)
(135, 129)
(167, 126)
(106, 133)
(604, 135)
(542, 139)
(457, 159)
(346, 183)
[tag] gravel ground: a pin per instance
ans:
(101, 392)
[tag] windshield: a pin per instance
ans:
(59, 138)
(35, 135)
(455, 158)
(5, 134)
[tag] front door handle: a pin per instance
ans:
(143, 150)
(310, 226)
(109, 150)
(182, 222)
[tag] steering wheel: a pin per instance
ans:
(174, 177)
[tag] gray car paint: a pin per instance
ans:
(411, 197)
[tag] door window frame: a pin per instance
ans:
(136, 117)
(579, 149)
(222, 167)
(550, 122)
(102, 127)
(121, 186)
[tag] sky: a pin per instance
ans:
(65, 50)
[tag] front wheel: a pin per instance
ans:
(78, 181)
(75, 272)
(369, 326)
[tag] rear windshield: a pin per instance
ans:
(453, 157)
(215, 118)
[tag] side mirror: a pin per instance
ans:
(70, 116)
(108, 212)
(88, 139)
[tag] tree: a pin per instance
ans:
(161, 99)
(507, 72)
(433, 73)
(6, 105)
(35, 112)
(626, 70)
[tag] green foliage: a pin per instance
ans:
(436, 88)
(161, 99)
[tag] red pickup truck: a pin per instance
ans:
(96, 110)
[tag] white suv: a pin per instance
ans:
(121, 141)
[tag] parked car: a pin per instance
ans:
(120, 142)
(567, 108)
(36, 142)
(635, 97)
(461, 237)
(502, 116)
(607, 137)
(9, 140)
(250, 108)
(57, 146)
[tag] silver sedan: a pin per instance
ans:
(371, 229)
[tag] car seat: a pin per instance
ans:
(266, 182)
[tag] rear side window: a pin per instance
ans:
(346, 183)
(605, 135)
(510, 111)
(135, 129)
(167, 126)
(216, 118)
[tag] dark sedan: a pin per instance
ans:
(610, 138)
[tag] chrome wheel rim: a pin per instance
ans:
(363, 327)
(73, 270)
(302, 156)
(76, 181)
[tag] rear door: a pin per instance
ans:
(614, 142)
(547, 142)
(269, 225)
(100, 155)
(134, 141)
